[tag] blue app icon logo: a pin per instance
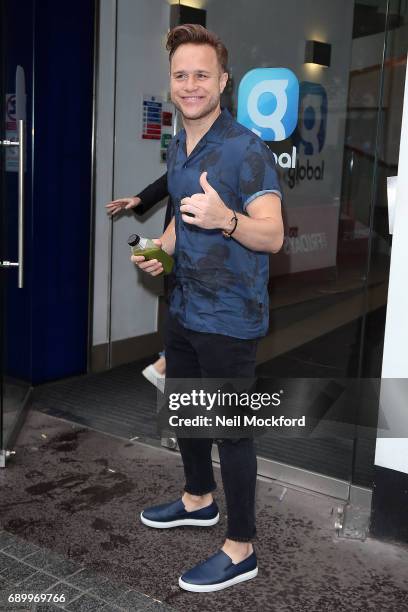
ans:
(268, 101)
(311, 133)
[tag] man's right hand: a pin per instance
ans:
(151, 266)
(121, 204)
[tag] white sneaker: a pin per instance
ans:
(153, 376)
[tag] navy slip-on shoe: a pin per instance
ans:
(217, 573)
(174, 514)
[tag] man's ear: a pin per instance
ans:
(223, 81)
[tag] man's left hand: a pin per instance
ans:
(208, 209)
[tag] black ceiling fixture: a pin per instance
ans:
(179, 14)
(317, 53)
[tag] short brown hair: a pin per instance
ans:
(197, 35)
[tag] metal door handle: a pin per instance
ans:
(21, 156)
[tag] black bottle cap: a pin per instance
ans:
(133, 240)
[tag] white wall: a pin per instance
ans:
(392, 451)
(103, 167)
(141, 68)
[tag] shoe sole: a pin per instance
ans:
(180, 523)
(209, 588)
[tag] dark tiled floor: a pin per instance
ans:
(36, 579)
(77, 493)
(121, 402)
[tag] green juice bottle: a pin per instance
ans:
(147, 248)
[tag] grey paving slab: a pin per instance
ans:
(21, 549)
(3, 582)
(5, 539)
(8, 609)
(17, 571)
(17, 608)
(53, 564)
(39, 582)
(155, 606)
(7, 606)
(87, 580)
(4, 595)
(109, 592)
(86, 603)
(132, 600)
(137, 602)
(69, 592)
(46, 607)
(4, 563)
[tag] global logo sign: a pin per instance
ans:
(268, 100)
(311, 133)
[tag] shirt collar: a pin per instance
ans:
(216, 131)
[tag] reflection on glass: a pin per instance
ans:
(328, 285)
(16, 50)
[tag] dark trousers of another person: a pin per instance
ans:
(191, 354)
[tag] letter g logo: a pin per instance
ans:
(311, 130)
(268, 101)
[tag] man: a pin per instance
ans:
(227, 201)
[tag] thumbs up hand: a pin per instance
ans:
(208, 209)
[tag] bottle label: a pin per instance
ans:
(142, 243)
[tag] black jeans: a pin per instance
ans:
(191, 354)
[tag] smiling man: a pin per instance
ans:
(227, 200)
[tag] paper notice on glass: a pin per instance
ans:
(392, 198)
(11, 133)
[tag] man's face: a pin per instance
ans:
(196, 80)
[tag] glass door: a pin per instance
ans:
(326, 287)
(393, 68)
(16, 48)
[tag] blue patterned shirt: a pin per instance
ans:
(220, 285)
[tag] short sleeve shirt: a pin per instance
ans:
(220, 285)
